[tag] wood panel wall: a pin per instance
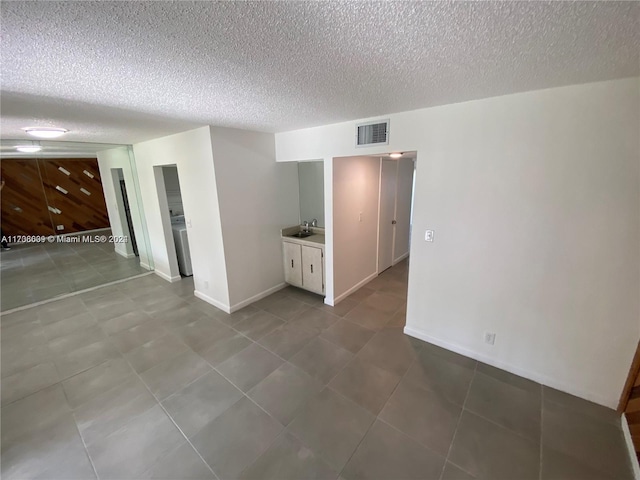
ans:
(34, 201)
(630, 401)
(24, 206)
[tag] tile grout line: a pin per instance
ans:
(84, 444)
(136, 374)
(167, 331)
(244, 394)
(376, 417)
(169, 416)
(455, 432)
(324, 386)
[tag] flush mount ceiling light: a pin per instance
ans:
(395, 155)
(45, 132)
(28, 148)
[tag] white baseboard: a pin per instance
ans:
(125, 254)
(255, 298)
(145, 266)
(215, 303)
(536, 377)
(630, 447)
(400, 258)
(166, 277)
(358, 285)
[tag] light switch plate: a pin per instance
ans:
(428, 236)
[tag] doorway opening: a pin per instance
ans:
(371, 224)
(396, 198)
(174, 220)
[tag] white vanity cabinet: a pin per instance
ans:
(304, 265)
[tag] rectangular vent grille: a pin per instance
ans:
(373, 134)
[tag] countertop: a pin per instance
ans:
(315, 240)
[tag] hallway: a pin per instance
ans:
(142, 380)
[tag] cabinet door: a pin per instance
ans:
(312, 269)
(292, 264)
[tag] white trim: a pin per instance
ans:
(630, 447)
(168, 278)
(355, 287)
(125, 254)
(399, 259)
(255, 298)
(71, 294)
(145, 266)
(215, 303)
(536, 377)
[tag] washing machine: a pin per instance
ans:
(179, 228)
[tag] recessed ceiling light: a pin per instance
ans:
(45, 132)
(29, 148)
(395, 155)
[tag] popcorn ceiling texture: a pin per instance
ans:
(129, 71)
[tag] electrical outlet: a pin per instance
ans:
(428, 236)
(206, 284)
(60, 227)
(489, 338)
(360, 217)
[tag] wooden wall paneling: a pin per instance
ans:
(66, 187)
(24, 206)
(630, 401)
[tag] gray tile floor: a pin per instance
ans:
(33, 272)
(143, 380)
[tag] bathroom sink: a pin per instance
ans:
(300, 234)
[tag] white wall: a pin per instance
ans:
(118, 158)
(356, 190)
(535, 203)
(258, 197)
(192, 153)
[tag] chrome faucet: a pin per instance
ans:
(305, 224)
(314, 223)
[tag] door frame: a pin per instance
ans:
(393, 214)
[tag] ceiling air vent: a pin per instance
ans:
(372, 134)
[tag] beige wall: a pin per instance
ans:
(356, 190)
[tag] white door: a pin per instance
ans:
(403, 209)
(386, 233)
(312, 269)
(292, 264)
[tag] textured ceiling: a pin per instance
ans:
(121, 72)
